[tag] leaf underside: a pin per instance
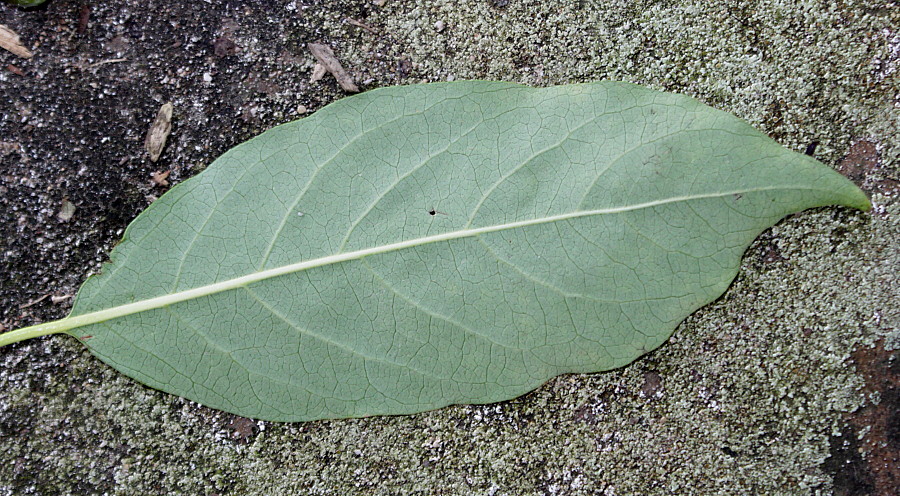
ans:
(414, 247)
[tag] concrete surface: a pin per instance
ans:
(786, 385)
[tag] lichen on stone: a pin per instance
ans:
(744, 399)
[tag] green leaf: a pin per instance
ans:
(26, 3)
(420, 246)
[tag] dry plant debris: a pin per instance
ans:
(66, 210)
(159, 132)
(326, 58)
(10, 42)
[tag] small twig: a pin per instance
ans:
(61, 298)
(360, 24)
(107, 61)
(33, 302)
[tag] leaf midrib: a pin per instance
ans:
(238, 282)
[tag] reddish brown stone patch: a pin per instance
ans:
(862, 165)
(877, 471)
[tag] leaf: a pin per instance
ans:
(420, 246)
(27, 3)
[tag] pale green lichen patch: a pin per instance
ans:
(742, 400)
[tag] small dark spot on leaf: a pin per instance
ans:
(432, 212)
